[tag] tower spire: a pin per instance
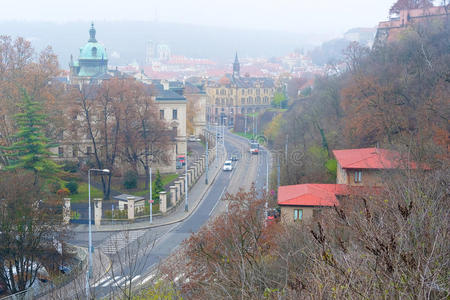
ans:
(92, 34)
(236, 67)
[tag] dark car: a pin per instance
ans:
(234, 157)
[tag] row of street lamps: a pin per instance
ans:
(107, 171)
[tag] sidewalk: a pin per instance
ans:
(196, 194)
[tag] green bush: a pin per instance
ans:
(71, 166)
(54, 186)
(130, 180)
(157, 186)
(72, 186)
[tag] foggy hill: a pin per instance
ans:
(128, 39)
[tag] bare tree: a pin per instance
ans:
(30, 223)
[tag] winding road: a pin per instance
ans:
(151, 246)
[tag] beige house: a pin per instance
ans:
(303, 202)
(359, 171)
(172, 109)
(233, 95)
(365, 167)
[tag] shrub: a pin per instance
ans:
(64, 192)
(54, 186)
(72, 186)
(130, 180)
(71, 166)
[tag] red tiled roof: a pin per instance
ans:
(369, 158)
(311, 194)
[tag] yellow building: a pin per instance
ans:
(233, 95)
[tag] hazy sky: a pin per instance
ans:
(314, 16)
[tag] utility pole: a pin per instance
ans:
(245, 124)
(217, 145)
(278, 171)
(286, 148)
(150, 196)
(186, 183)
(207, 163)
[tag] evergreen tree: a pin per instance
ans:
(30, 149)
(157, 186)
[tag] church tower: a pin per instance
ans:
(236, 67)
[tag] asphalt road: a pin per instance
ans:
(141, 251)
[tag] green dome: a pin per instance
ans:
(93, 50)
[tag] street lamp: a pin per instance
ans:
(186, 186)
(104, 171)
(150, 196)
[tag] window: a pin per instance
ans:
(89, 150)
(60, 151)
(174, 130)
(174, 114)
(242, 100)
(298, 214)
(358, 176)
(161, 114)
(74, 151)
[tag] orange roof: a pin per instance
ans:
(311, 194)
(369, 158)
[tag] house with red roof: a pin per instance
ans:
(304, 201)
(363, 167)
(359, 171)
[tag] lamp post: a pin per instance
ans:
(207, 158)
(150, 196)
(186, 186)
(105, 171)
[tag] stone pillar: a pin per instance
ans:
(183, 188)
(178, 186)
(203, 160)
(130, 201)
(173, 195)
(97, 211)
(197, 168)
(66, 211)
(194, 175)
(189, 176)
(163, 202)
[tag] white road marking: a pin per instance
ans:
(148, 278)
(119, 240)
(110, 281)
(120, 281)
(220, 198)
(101, 281)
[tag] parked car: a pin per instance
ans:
(228, 166)
(181, 159)
(192, 138)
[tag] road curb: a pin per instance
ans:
(148, 226)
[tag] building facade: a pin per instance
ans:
(233, 95)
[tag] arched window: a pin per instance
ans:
(223, 102)
(94, 51)
(242, 110)
(258, 100)
(250, 100)
(242, 100)
(217, 101)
